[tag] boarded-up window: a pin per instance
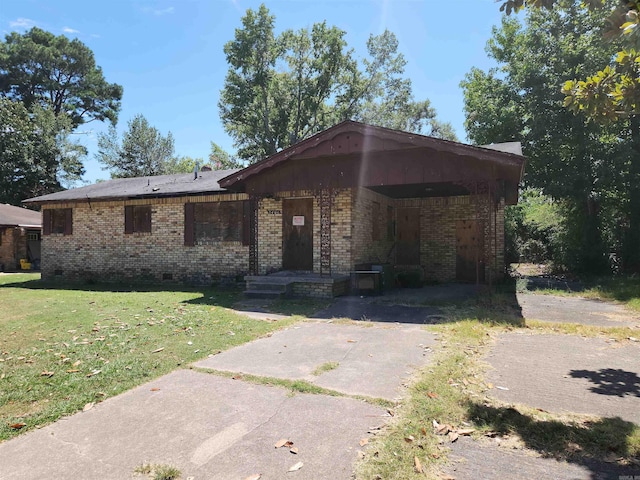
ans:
(137, 219)
(218, 222)
(375, 222)
(57, 220)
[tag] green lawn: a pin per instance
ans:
(63, 347)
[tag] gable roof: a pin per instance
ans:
(12, 216)
(370, 139)
(141, 187)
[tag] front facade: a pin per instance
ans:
(350, 196)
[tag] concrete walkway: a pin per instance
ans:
(217, 428)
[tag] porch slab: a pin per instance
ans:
(371, 360)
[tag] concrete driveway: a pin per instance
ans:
(219, 428)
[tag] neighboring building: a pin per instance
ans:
(20, 230)
(351, 195)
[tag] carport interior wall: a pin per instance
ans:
(362, 228)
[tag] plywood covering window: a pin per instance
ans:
(137, 219)
(213, 222)
(57, 220)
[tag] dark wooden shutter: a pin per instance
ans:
(189, 220)
(246, 222)
(68, 221)
(46, 222)
(128, 219)
(144, 221)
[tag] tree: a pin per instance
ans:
(142, 152)
(574, 161)
(36, 154)
(611, 95)
(220, 159)
(40, 68)
(281, 89)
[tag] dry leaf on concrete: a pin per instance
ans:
(88, 406)
(364, 441)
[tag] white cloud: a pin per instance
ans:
(158, 12)
(22, 23)
(70, 30)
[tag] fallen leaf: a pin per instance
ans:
(236, 377)
(432, 395)
(409, 439)
(364, 441)
(417, 465)
(453, 436)
(94, 372)
(435, 424)
(88, 406)
(361, 454)
(424, 431)
(280, 443)
(47, 374)
(73, 370)
(155, 389)
(18, 426)
(158, 350)
(501, 388)
(390, 412)
(296, 467)
(288, 444)
(254, 477)
(294, 450)
(465, 431)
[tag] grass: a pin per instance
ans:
(158, 472)
(63, 347)
(325, 367)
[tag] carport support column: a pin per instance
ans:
(325, 197)
(254, 209)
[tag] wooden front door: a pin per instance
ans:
(469, 248)
(408, 236)
(297, 234)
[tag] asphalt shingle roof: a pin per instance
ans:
(12, 216)
(140, 187)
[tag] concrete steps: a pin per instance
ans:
(267, 287)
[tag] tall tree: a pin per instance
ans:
(283, 88)
(609, 94)
(36, 154)
(570, 158)
(143, 151)
(40, 68)
(220, 159)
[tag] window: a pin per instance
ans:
(57, 220)
(213, 222)
(137, 219)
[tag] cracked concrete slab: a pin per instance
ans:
(552, 308)
(474, 459)
(373, 360)
(567, 373)
(206, 426)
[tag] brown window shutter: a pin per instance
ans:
(46, 222)
(246, 222)
(128, 219)
(146, 219)
(68, 221)
(189, 220)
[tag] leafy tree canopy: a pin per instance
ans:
(36, 154)
(283, 88)
(40, 68)
(143, 151)
(220, 159)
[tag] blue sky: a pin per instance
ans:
(168, 56)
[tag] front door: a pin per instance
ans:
(297, 234)
(408, 237)
(469, 246)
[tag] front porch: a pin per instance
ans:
(299, 284)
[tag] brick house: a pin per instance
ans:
(20, 230)
(349, 196)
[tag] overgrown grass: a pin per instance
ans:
(158, 472)
(325, 367)
(63, 347)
